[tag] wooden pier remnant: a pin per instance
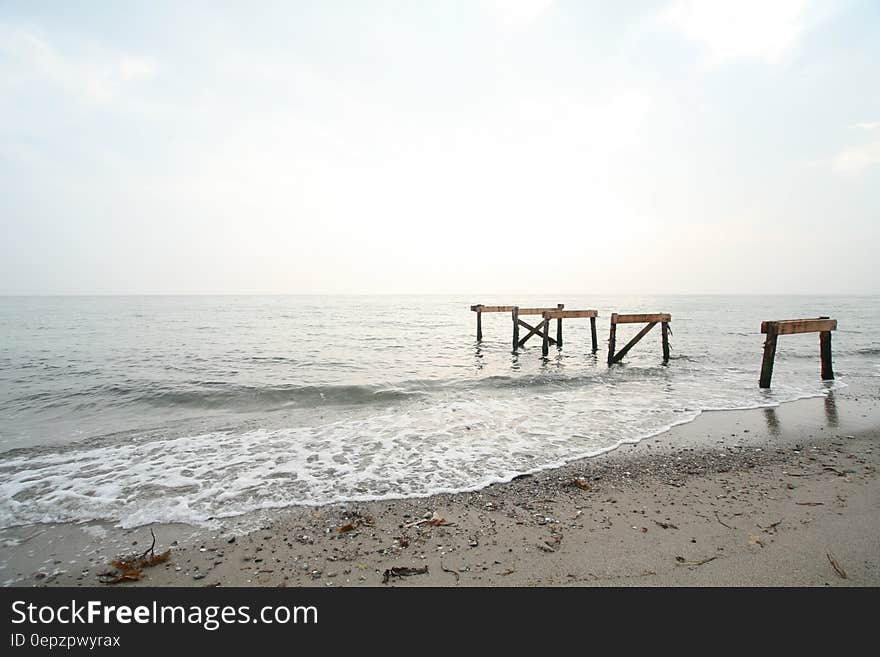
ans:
(651, 320)
(538, 329)
(515, 312)
(480, 309)
(561, 314)
(773, 329)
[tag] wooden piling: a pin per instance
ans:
(479, 326)
(664, 326)
(593, 334)
(514, 314)
(559, 327)
(612, 338)
(825, 351)
(545, 349)
(769, 356)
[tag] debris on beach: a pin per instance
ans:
(432, 520)
(837, 568)
(451, 571)
(402, 571)
(357, 520)
(131, 568)
(680, 561)
(665, 525)
(581, 483)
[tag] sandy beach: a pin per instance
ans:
(765, 497)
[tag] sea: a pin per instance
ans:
(189, 409)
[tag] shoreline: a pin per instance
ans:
(694, 505)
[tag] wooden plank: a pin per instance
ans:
(507, 309)
(789, 326)
(629, 345)
(570, 314)
(534, 311)
(769, 356)
(639, 319)
(492, 309)
(825, 351)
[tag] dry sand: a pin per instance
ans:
(758, 497)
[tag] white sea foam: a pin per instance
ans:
(426, 448)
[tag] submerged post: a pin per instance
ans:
(769, 356)
(545, 349)
(664, 327)
(612, 338)
(559, 327)
(479, 310)
(825, 351)
(593, 334)
(515, 316)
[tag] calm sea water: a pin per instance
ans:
(163, 409)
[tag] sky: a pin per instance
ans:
(480, 146)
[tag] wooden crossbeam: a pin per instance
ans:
(789, 326)
(535, 311)
(568, 314)
(638, 319)
(532, 331)
(773, 329)
(492, 309)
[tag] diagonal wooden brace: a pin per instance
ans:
(629, 345)
(532, 331)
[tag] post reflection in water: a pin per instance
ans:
(831, 410)
(772, 420)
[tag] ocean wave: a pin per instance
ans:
(210, 394)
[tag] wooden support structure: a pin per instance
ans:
(650, 320)
(773, 329)
(538, 328)
(561, 314)
(480, 309)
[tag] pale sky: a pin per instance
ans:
(529, 146)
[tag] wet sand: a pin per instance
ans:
(781, 496)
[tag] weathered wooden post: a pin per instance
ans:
(515, 316)
(773, 329)
(593, 334)
(825, 350)
(478, 308)
(545, 349)
(559, 327)
(769, 356)
(612, 338)
(664, 327)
